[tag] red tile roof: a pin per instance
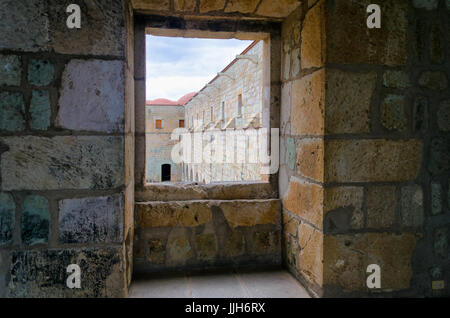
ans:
(167, 102)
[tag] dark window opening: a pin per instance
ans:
(165, 173)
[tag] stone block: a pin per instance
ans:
(35, 220)
(308, 104)
(81, 162)
(92, 96)
(441, 242)
(206, 246)
(10, 70)
(102, 28)
(173, 214)
(265, 242)
(40, 110)
(396, 79)
(313, 48)
(425, 4)
(40, 72)
(290, 224)
(7, 218)
(290, 153)
(350, 42)
(439, 157)
(211, 5)
(381, 202)
(25, 25)
(434, 80)
(184, 5)
(179, 250)
(372, 160)
(277, 9)
(393, 115)
(421, 114)
(42, 273)
(12, 111)
(443, 115)
(343, 209)
(393, 253)
(156, 251)
(348, 102)
(241, 6)
(305, 200)
(310, 256)
(310, 159)
(234, 244)
(437, 43)
(91, 220)
(436, 198)
(344, 260)
(251, 212)
(411, 213)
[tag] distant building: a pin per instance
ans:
(162, 117)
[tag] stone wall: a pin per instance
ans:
(66, 149)
(366, 172)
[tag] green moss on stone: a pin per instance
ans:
(35, 220)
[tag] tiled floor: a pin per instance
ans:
(223, 284)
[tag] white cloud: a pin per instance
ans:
(177, 66)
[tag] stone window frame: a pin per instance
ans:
(219, 28)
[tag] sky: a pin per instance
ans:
(177, 66)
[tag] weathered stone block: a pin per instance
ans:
(251, 212)
(372, 160)
(184, 5)
(436, 198)
(40, 110)
(211, 5)
(42, 273)
(433, 80)
(305, 200)
(348, 102)
(437, 43)
(206, 246)
(381, 203)
(180, 214)
(308, 104)
(102, 28)
(441, 242)
(10, 70)
(35, 220)
(265, 242)
(241, 6)
(234, 244)
(92, 96)
(443, 116)
(344, 258)
(313, 47)
(310, 257)
(290, 224)
(81, 162)
(310, 159)
(7, 218)
(425, 4)
(277, 9)
(393, 253)
(411, 213)
(290, 153)
(393, 112)
(40, 72)
(179, 250)
(91, 220)
(156, 251)
(350, 42)
(440, 154)
(24, 25)
(343, 209)
(12, 111)
(396, 79)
